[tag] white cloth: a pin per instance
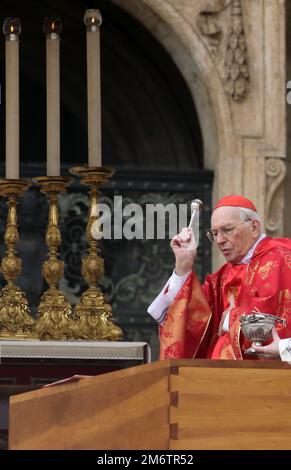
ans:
(249, 255)
(161, 303)
(285, 349)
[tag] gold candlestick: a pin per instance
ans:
(92, 314)
(15, 319)
(54, 312)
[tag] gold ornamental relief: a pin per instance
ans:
(11, 267)
(54, 317)
(92, 268)
(11, 236)
(53, 271)
(53, 237)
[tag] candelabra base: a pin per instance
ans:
(92, 314)
(93, 318)
(15, 319)
(54, 320)
(54, 317)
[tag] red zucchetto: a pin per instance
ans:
(234, 200)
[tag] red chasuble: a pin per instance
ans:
(191, 324)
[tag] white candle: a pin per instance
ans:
(12, 29)
(52, 29)
(93, 20)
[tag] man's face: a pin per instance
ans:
(235, 236)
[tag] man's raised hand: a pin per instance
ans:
(184, 249)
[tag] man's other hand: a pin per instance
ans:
(271, 351)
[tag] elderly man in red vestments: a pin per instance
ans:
(203, 321)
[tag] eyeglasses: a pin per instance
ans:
(225, 231)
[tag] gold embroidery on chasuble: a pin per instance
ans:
(285, 295)
(285, 255)
(265, 271)
(251, 273)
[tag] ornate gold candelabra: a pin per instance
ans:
(54, 320)
(92, 315)
(15, 319)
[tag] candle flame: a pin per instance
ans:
(52, 26)
(11, 27)
(92, 19)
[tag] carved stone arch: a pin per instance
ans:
(186, 46)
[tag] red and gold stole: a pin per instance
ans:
(186, 322)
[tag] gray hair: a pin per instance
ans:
(250, 214)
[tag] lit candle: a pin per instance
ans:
(12, 29)
(93, 20)
(52, 28)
